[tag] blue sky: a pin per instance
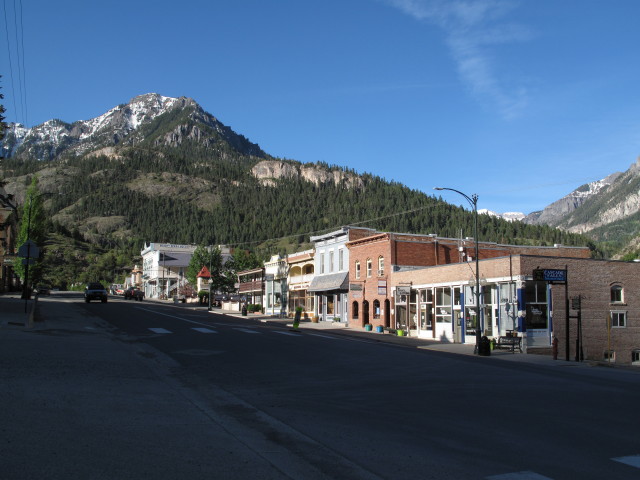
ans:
(518, 101)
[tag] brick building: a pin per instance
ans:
(374, 258)
(441, 304)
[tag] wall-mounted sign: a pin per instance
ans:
(403, 291)
(355, 287)
(550, 275)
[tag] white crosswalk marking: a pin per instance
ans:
(633, 460)
(160, 330)
(204, 330)
(246, 330)
(518, 476)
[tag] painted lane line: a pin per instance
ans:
(173, 316)
(246, 330)
(287, 333)
(203, 330)
(160, 330)
(633, 460)
(526, 475)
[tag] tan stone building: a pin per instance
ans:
(603, 311)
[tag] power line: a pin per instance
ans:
(6, 29)
(255, 242)
(19, 95)
(24, 71)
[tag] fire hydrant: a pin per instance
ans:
(554, 348)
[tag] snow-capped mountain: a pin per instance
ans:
(559, 212)
(508, 216)
(122, 125)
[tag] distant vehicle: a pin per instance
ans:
(95, 291)
(117, 289)
(135, 293)
(43, 290)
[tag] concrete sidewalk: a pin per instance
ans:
(336, 328)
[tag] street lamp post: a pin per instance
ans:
(473, 201)
(210, 285)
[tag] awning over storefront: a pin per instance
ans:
(333, 281)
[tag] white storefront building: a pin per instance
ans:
(164, 266)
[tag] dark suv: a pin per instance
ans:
(95, 291)
(133, 292)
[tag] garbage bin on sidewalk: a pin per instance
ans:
(244, 310)
(484, 349)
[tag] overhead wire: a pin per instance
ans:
(19, 94)
(6, 29)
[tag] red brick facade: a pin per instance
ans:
(370, 297)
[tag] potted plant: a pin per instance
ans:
(314, 318)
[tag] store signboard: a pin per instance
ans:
(555, 276)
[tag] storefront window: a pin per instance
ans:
(329, 304)
(536, 299)
(443, 305)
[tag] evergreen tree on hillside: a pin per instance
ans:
(33, 228)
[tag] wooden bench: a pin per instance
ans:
(511, 343)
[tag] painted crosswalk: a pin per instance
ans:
(204, 330)
(160, 330)
(246, 330)
(631, 461)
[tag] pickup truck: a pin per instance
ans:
(95, 291)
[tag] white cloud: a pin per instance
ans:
(471, 28)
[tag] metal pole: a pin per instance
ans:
(473, 201)
(25, 288)
(475, 209)
(566, 325)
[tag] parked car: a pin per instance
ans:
(135, 293)
(95, 291)
(43, 290)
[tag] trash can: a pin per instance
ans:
(368, 327)
(244, 310)
(484, 349)
(379, 329)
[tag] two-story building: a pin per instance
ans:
(301, 273)
(331, 280)
(251, 286)
(276, 271)
(163, 268)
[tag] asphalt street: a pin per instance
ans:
(147, 390)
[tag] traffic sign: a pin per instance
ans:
(28, 249)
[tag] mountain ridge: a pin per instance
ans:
(163, 167)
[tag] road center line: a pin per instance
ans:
(173, 316)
